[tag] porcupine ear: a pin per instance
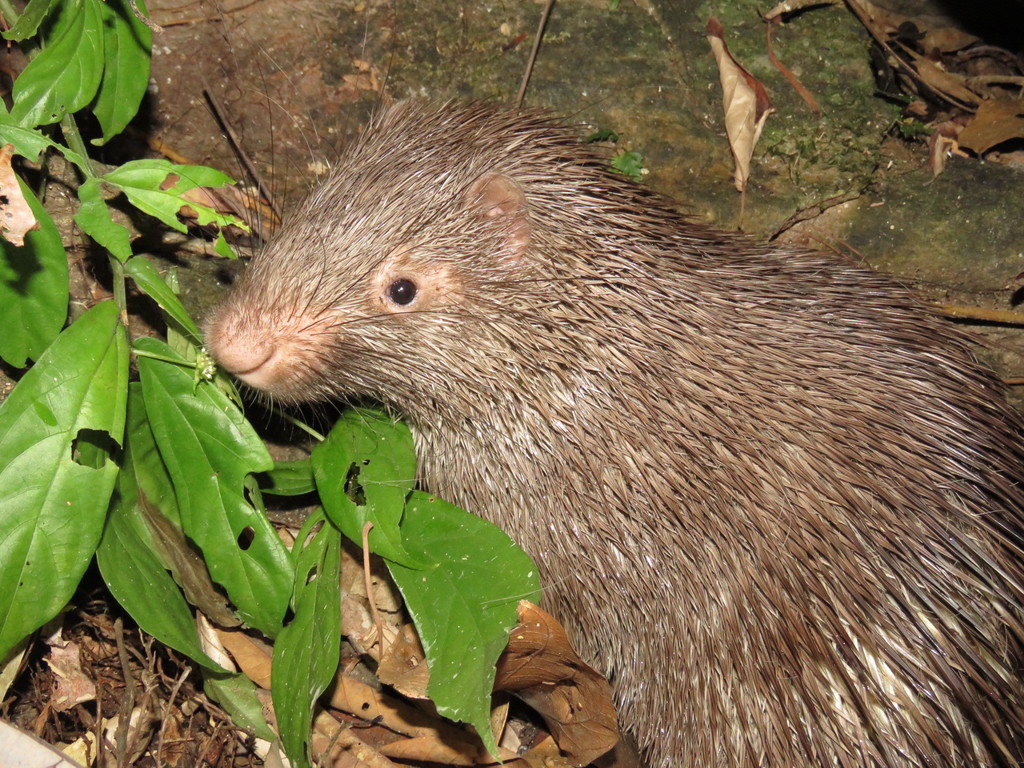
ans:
(500, 199)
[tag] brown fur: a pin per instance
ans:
(774, 497)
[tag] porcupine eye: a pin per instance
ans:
(402, 291)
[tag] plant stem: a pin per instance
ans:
(73, 136)
(163, 358)
(301, 425)
(10, 15)
(74, 139)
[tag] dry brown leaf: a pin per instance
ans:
(996, 121)
(933, 32)
(885, 26)
(404, 665)
(546, 754)
(188, 568)
(252, 656)
(431, 750)
(944, 39)
(140, 729)
(211, 644)
(338, 745)
(16, 218)
(541, 668)
(789, 6)
(71, 685)
(948, 85)
(364, 701)
(356, 616)
(940, 149)
(368, 77)
(746, 103)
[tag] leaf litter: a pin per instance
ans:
(966, 90)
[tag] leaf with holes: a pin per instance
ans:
(59, 428)
(364, 471)
(209, 448)
(157, 187)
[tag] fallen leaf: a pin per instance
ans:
(338, 745)
(137, 733)
(209, 639)
(404, 664)
(28, 751)
(791, 6)
(541, 668)
(996, 121)
(362, 700)
(187, 567)
(71, 685)
(893, 32)
(746, 103)
(252, 656)
(16, 218)
(431, 750)
(949, 86)
(356, 614)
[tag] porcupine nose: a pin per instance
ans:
(241, 349)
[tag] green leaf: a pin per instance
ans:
(95, 220)
(30, 142)
(306, 652)
(629, 164)
(27, 142)
(156, 186)
(33, 289)
(237, 695)
(147, 277)
(364, 471)
(223, 247)
(134, 573)
(288, 478)
(66, 73)
(209, 448)
(30, 19)
(127, 44)
(149, 473)
(465, 607)
(51, 506)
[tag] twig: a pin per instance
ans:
(533, 53)
(128, 704)
(997, 316)
(814, 210)
(144, 18)
(368, 583)
(250, 168)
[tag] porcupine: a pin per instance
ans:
(772, 495)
